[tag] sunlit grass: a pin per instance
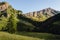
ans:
(7, 36)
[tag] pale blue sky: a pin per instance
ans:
(33, 5)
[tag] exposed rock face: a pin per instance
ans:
(48, 12)
(3, 6)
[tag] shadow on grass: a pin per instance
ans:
(45, 36)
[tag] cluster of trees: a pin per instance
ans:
(8, 19)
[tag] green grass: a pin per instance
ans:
(45, 36)
(28, 36)
(7, 36)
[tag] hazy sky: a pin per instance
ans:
(33, 5)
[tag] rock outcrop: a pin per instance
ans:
(3, 6)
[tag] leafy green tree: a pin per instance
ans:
(12, 25)
(3, 23)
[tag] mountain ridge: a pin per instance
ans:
(44, 13)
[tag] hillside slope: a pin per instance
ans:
(28, 36)
(7, 36)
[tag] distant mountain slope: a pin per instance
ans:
(42, 14)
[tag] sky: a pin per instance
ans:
(33, 5)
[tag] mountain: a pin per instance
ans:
(12, 20)
(42, 14)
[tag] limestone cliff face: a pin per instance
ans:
(42, 14)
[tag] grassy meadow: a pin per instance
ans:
(45, 36)
(28, 36)
(8, 36)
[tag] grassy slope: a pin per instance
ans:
(28, 36)
(45, 36)
(7, 36)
